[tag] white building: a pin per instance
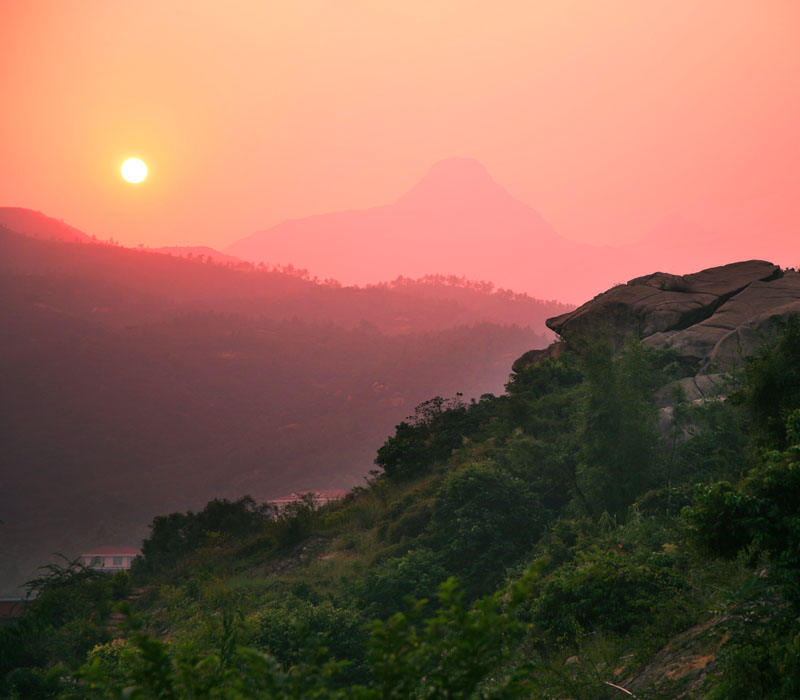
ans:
(110, 558)
(319, 498)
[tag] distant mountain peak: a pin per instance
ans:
(456, 220)
(457, 167)
(456, 178)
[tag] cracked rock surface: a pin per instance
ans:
(711, 318)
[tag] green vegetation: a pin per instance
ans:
(617, 426)
(69, 617)
(174, 536)
(552, 542)
(773, 391)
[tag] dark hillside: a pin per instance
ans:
(132, 383)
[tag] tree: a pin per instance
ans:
(173, 536)
(432, 433)
(760, 513)
(772, 391)
(483, 521)
(758, 516)
(617, 433)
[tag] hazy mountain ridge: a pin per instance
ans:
(135, 382)
(184, 283)
(196, 251)
(38, 225)
(458, 220)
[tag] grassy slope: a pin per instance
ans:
(604, 585)
(607, 596)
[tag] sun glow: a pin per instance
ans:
(134, 170)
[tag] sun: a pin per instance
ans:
(134, 170)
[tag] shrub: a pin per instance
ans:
(33, 683)
(483, 521)
(617, 425)
(410, 524)
(292, 630)
(772, 391)
(294, 523)
(759, 513)
(173, 536)
(437, 427)
(389, 582)
(605, 592)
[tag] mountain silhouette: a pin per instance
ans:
(37, 225)
(456, 220)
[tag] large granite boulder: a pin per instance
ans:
(737, 328)
(710, 318)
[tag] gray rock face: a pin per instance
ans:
(694, 389)
(738, 326)
(711, 318)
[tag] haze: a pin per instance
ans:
(607, 118)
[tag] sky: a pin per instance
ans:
(606, 116)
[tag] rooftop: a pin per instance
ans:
(318, 494)
(107, 551)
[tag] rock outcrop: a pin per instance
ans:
(711, 318)
(738, 326)
(533, 357)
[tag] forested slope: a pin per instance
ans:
(565, 545)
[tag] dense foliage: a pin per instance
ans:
(773, 389)
(68, 617)
(552, 542)
(175, 535)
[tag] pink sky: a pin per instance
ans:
(605, 116)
